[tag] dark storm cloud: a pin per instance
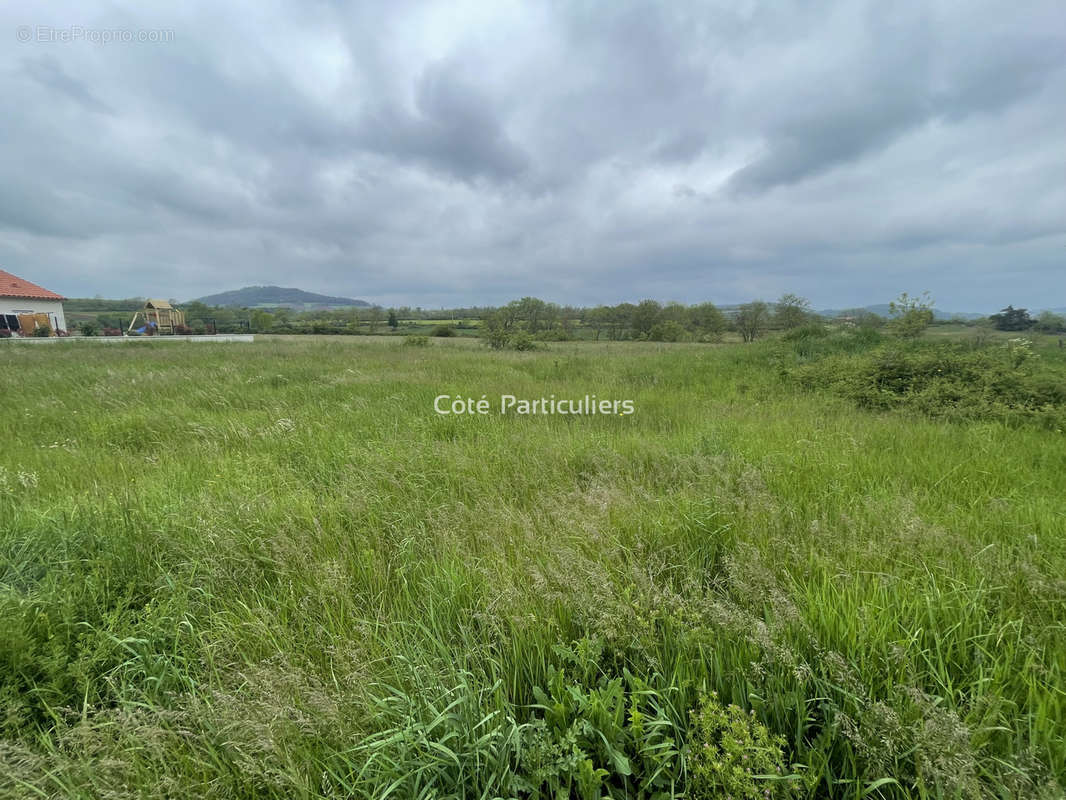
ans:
(469, 153)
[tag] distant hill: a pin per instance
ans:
(277, 296)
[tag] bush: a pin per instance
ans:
(733, 755)
(953, 381)
(669, 331)
(1049, 322)
(495, 335)
(416, 341)
(89, 328)
(42, 331)
(806, 332)
(444, 331)
(555, 335)
(911, 315)
(523, 341)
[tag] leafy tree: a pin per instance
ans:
(645, 316)
(1049, 322)
(622, 319)
(496, 329)
(675, 312)
(792, 311)
(667, 331)
(373, 317)
(1012, 319)
(751, 319)
(197, 310)
(911, 315)
(394, 322)
(261, 321)
(706, 320)
(598, 318)
(533, 312)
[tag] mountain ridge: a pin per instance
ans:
(278, 296)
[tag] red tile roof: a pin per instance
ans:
(14, 286)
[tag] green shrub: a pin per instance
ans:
(617, 737)
(523, 341)
(733, 755)
(416, 341)
(89, 328)
(42, 331)
(951, 381)
(805, 332)
(444, 331)
(669, 331)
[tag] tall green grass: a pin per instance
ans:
(271, 570)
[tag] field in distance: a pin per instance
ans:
(825, 568)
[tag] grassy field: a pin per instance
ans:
(271, 570)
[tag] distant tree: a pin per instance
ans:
(374, 316)
(1012, 319)
(622, 319)
(1049, 322)
(751, 319)
(197, 310)
(551, 316)
(511, 314)
(261, 321)
(911, 315)
(706, 320)
(646, 315)
(394, 322)
(532, 311)
(496, 329)
(675, 312)
(792, 311)
(667, 331)
(598, 319)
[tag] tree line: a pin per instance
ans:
(533, 319)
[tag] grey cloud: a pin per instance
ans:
(435, 154)
(452, 128)
(49, 73)
(901, 83)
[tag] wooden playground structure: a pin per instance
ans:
(157, 317)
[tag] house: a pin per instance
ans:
(25, 306)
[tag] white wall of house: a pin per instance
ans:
(18, 305)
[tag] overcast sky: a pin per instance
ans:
(473, 152)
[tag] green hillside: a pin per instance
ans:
(274, 296)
